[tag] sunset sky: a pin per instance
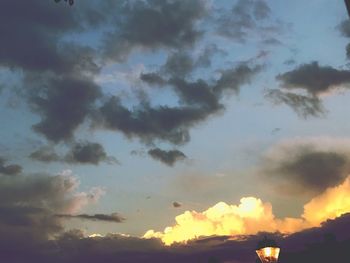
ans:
(164, 121)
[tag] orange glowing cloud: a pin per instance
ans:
(331, 204)
(252, 215)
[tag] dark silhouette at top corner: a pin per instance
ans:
(347, 3)
(71, 2)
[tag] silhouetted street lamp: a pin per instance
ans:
(268, 251)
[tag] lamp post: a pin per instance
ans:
(268, 251)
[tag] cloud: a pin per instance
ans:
(249, 217)
(247, 19)
(314, 79)
(74, 246)
(45, 24)
(308, 82)
(198, 100)
(60, 73)
(88, 153)
(114, 217)
(252, 216)
(45, 154)
(28, 205)
(154, 24)
(11, 169)
(55, 83)
(82, 152)
(221, 231)
(167, 157)
(181, 64)
(307, 166)
(344, 28)
(303, 105)
(147, 123)
(62, 102)
(331, 204)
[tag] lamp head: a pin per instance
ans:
(268, 251)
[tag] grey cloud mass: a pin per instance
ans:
(82, 152)
(28, 204)
(63, 104)
(167, 157)
(307, 166)
(54, 80)
(45, 154)
(9, 169)
(313, 78)
(88, 153)
(154, 24)
(246, 16)
(198, 99)
(59, 76)
(44, 24)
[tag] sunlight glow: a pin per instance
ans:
(252, 216)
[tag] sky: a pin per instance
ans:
(146, 126)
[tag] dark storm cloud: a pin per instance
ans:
(307, 166)
(198, 101)
(114, 217)
(303, 105)
(43, 23)
(88, 153)
(9, 169)
(62, 102)
(313, 78)
(55, 82)
(167, 157)
(154, 24)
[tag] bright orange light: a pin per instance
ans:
(268, 254)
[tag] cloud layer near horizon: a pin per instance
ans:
(252, 216)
